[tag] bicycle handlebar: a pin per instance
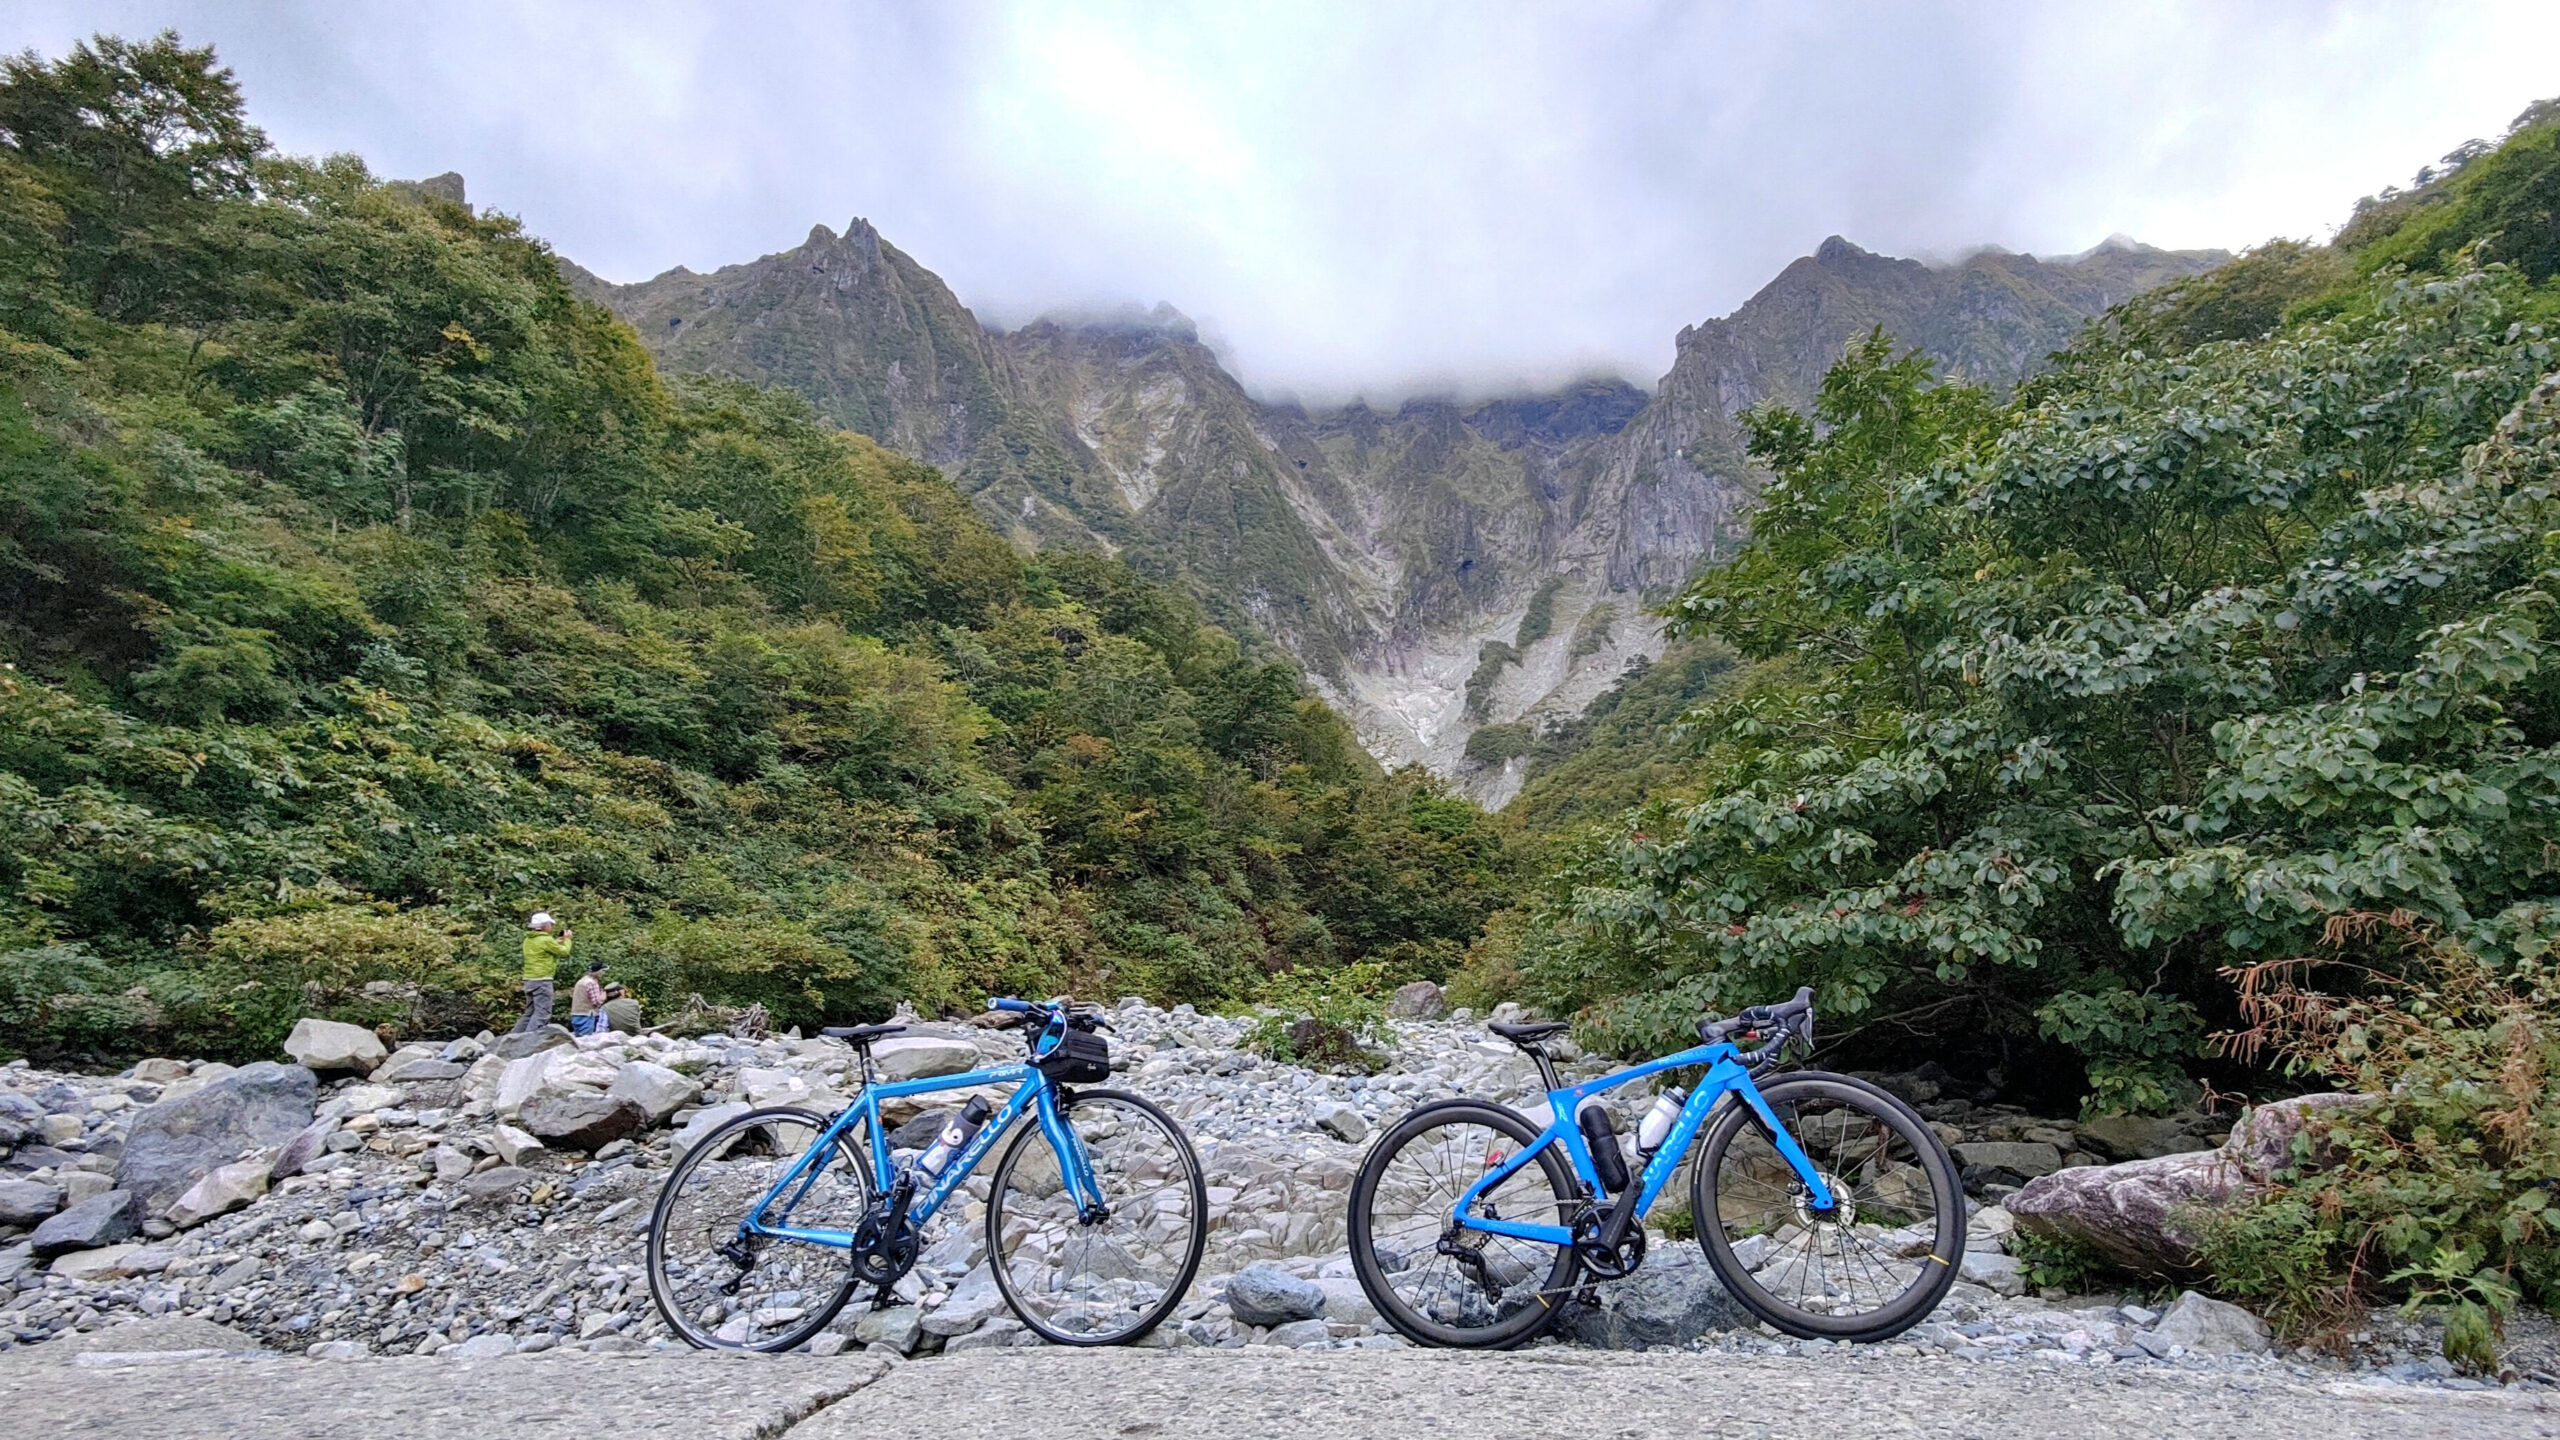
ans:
(1791, 1020)
(1018, 1007)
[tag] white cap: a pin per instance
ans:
(541, 921)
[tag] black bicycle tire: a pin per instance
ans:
(1364, 1256)
(1947, 1247)
(654, 1255)
(1003, 1173)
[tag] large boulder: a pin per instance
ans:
(224, 1188)
(1420, 1000)
(657, 1090)
(172, 1144)
(1673, 1300)
(97, 1221)
(919, 1057)
(1268, 1295)
(416, 1064)
(582, 1122)
(2137, 1215)
(518, 1044)
(327, 1046)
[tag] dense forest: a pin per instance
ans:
(361, 590)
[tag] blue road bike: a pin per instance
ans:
(1094, 1217)
(1826, 1206)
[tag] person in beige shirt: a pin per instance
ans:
(586, 1001)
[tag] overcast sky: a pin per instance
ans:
(1376, 198)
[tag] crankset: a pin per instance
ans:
(885, 1243)
(1599, 1258)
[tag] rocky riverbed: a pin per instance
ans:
(488, 1196)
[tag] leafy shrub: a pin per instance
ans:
(1331, 1018)
(2441, 1190)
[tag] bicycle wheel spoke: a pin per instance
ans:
(1860, 1268)
(1093, 1278)
(719, 1286)
(1482, 1288)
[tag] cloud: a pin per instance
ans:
(1376, 199)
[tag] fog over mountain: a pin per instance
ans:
(1379, 201)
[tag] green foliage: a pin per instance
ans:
(1539, 620)
(364, 589)
(1491, 658)
(1495, 744)
(1332, 1018)
(1674, 1219)
(2057, 1264)
(2437, 1187)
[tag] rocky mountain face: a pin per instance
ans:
(1436, 568)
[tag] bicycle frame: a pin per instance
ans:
(1034, 1094)
(1725, 1076)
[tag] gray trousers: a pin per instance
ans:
(537, 1007)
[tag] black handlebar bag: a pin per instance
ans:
(1081, 1058)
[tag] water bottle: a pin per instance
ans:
(955, 1137)
(1657, 1123)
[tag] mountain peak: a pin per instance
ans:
(1837, 250)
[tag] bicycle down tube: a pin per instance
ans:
(1725, 1076)
(1032, 1092)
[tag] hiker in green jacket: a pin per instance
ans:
(543, 952)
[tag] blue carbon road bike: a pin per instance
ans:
(1826, 1206)
(1095, 1214)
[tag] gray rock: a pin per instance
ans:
(2206, 1327)
(530, 1042)
(28, 1202)
(308, 1144)
(498, 1184)
(21, 1120)
(1674, 1299)
(998, 1333)
(79, 1185)
(512, 1144)
(2024, 1158)
(1297, 1333)
(1993, 1271)
(709, 1118)
(82, 1267)
(971, 1302)
(901, 1329)
(918, 1057)
(481, 1347)
(1420, 1000)
(1268, 1295)
(326, 1046)
(1346, 1302)
(657, 1090)
(2137, 1137)
(223, 1189)
(828, 1343)
(582, 1122)
(172, 1144)
(338, 1350)
(1341, 1121)
(100, 1220)
(411, 1067)
(918, 1134)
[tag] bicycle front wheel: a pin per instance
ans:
(1436, 1283)
(1868, 1268)
(721, 1288)
(1104, 1279)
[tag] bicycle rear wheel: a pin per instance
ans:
(1870, 1267)
(722, 1289)
(1434, 1282)
(1106, 1280)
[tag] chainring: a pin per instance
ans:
(881, 1256)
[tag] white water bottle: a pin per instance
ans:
(1657, 1123)
(955, 1137)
